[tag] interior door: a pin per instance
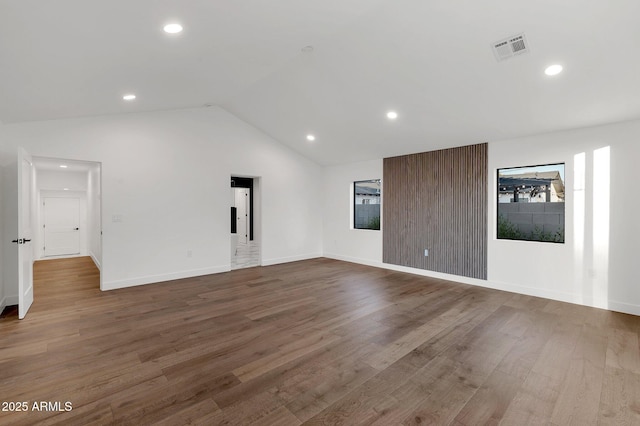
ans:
(61, 226)
(242, 210)
(247, 214)
(25, 232)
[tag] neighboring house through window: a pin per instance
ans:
(531, 203)
(366, 204)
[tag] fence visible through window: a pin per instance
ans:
(531, 203)
(366, 204)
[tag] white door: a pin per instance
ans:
(242, 211)
(61, 226)
(25, 232)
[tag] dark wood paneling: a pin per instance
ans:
(437, 201)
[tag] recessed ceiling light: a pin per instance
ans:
(392, 115)
(173, 28)
(553, 70)
(63, 166)
(307, 49)
(311, 138)
(129, 97)
(65, 189)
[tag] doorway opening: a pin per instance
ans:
(245, 222)
(68, 219)
(64, 196)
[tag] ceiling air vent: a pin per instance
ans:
(509, 47)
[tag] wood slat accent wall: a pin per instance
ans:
(438, 201)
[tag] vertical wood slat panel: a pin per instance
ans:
(438, 201)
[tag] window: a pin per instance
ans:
(531, 203)
(366, 204)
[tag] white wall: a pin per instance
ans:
(166, 176)
(594, 267)
(340, 240)
(3, 301)
(57, 180)
(94, 224)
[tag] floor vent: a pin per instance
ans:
(510, 47)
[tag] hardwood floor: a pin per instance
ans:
(313, 342)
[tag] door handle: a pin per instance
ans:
(15, 241)
(25, 240)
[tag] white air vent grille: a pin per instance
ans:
(509, 47)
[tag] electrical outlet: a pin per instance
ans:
(116, 218)
(426, 252)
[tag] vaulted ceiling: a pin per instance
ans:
(431, 61)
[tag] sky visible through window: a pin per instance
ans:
(549, 168)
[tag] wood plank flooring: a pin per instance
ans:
(314, 342)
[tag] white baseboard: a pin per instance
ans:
(624, 307)
(354, 260)
(151, 279)
(275, 261)
(95, 260)
(512, 288)
(414, 271)
(8, 301)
